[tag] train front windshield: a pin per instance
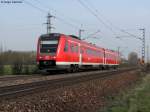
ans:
(48, 44)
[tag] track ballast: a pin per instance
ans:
(10, 92)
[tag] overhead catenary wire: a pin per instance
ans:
(33, 6)
(90, 35)
(64, 21)
(73, 22)
(60, 13)
(97, 17)
(111, 27)
(46, 11)
(109, 22)
(98, 13)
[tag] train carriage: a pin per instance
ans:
(63, 52)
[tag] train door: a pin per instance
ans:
(104, 58)
(80, 54)
(66, 55)
(74, 53)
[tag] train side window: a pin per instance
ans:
(76, 48)
(82, 51)
(66, 47)
(72, 47)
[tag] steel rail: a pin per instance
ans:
(10, 78)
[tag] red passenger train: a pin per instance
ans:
(62, 52)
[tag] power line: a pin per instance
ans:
(33, 6)
(66, 22)
(44, 11)
(98, 12)
(51, 8)
(90, 35)
(141, 39)
(76, 27)
(60, 18)
(56, 17)
(97, 17)
(110, 23)
(129, 35)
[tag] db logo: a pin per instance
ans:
(46, 57)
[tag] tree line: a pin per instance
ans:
(19, 62)
(10, 57)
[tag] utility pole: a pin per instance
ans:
(1, 48)
(80, 33)
(143, 44)
(147, 54)
(119, 53)
(49, 25)
(118, 50)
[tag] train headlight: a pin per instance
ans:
(37, 63)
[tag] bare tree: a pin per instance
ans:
(27, 69)
(1, 64)
(133, 58)
(1, 60)
(17, 66)
(20, 61)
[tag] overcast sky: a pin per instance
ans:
(22, 23)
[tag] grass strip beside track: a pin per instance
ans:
(137, 100)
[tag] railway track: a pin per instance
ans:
(14, 91)
(24, 77)
(18, 77)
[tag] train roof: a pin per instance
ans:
(74, 37)
(51, 34)
(58, 34)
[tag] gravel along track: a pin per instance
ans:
(23, 79)
(17, 77)
(87, 96)
(20, 79)
(14, 91)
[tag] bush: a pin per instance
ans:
(27, 69)
(1, 64)
(1, 69)
(35, 70)
(17, 67)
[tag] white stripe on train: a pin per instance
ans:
(69, 63)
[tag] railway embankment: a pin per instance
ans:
(88, 96)
(136, 99)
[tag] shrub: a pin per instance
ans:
(1, 64)
(17, 67)
(1, 68)
(26, 69)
